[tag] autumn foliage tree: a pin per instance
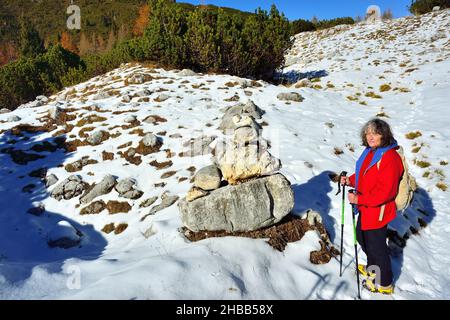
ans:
(68, 43)
(142, 20)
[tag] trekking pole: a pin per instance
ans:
(354, 212)
(343, 174)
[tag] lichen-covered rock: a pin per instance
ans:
(104, 187)
(245, 207)
(71, 187)
(208, 178)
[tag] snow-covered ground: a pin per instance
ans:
(151, 259)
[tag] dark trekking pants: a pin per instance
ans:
(373, 243)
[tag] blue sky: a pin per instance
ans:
(306, 9)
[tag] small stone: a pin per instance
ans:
(195, 193)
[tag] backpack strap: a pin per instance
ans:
(380, 218)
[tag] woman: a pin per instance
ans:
(376, 179)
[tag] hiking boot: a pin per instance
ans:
(369, 285)
(362, 271)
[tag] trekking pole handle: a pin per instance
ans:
(342, 174)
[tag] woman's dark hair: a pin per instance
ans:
(378, 126)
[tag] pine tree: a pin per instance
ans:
(31, 43)
(201, 41)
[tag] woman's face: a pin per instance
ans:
(373, 138)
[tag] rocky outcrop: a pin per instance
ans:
(248, 206)
(104, 187)
(126, 189)
(290, 96)
(71, 187)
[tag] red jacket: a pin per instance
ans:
(378, 187)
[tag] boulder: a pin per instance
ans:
(187, 73)
(162, 97)
(130, 119)
(290, 96)
(104, 187)
(97, 137)
(208, 178)
(71, 187)
(125, 188)
(51, 180)
(150, 140)
(64, 235)
(303, 83)
(244, 162)
(14, 118)
(245, 207)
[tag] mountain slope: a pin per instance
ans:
(151, 259)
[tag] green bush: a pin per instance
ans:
(21, 81)
(301, 25)
(325, 24)
(424, 6)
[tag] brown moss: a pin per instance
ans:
(120, 228)
(382, 114)
(133, 159)
(19, 129)
(146, 150)
(160, 185)
(90, 120)
(415, 149)
(338, 151)
(131, 125)
(290, 229)
(169, 154)
(157, 119)
(44, 147)
(137, 131)
(125, 111)
(413, 135)
(168, 174)
(125, 145)
(118, 207)
(107, 156)
(161, 165)
(422, 164)
(75, 168)
(373, 95)
(108, 228)
(385, 87)
(442, 186)
(83, 131)
(72, 145)
(181, 179)
(233, 98)
(161, 133)
(94, 208)
(230, 84)
(192, 170)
